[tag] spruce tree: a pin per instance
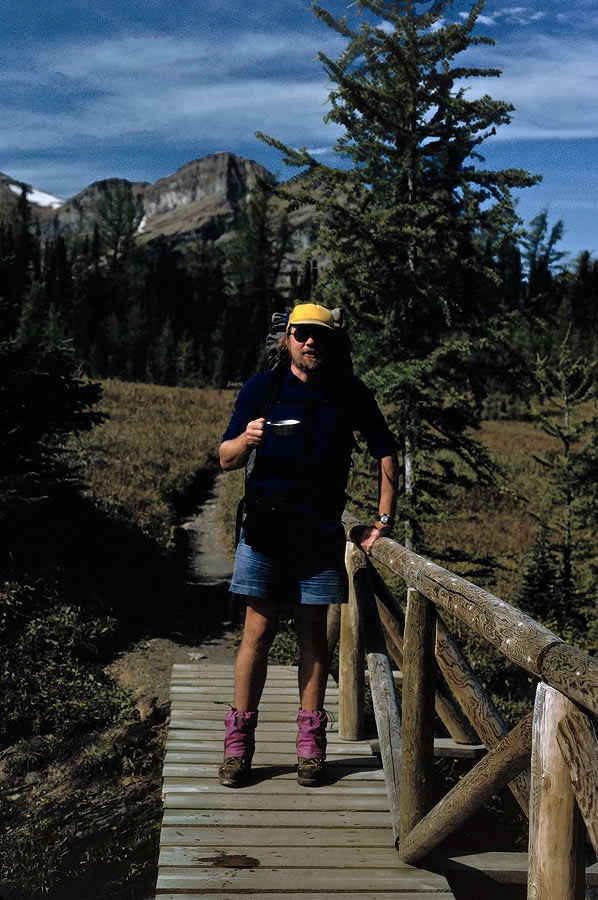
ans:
(567, 386)
(404, 221)
(253, 265)
(119, 216)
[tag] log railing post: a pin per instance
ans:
(564, 789)
(417, 746)
(393, 621)
(384, 698)
(351, 676)
(556, 833)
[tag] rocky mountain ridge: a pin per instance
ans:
(198, 201)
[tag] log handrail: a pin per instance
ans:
(520, 638)
(434, 669)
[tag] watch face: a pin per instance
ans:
(384, 520)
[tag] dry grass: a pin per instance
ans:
(499, 524)
(150, 449)
(157, 439)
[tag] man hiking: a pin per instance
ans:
(293, 428)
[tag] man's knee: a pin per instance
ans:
(261, 625)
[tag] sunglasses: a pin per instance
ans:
(303, 332)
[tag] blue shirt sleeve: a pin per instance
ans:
(248, 405)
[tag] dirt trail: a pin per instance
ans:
(209, 562)
(146, 668)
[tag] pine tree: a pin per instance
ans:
(404, 220)
(543, 292)
(253, 265)
(567, 387)
(119, 216)
(539, 594)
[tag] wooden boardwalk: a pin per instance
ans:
(276, 839)
(273, 837)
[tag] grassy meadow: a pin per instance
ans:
(157, 443)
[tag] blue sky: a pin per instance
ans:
(137, 88)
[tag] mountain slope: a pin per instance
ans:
(197, 201)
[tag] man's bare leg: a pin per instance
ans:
(261, 625)
(310, 626)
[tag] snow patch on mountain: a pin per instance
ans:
(40, 198)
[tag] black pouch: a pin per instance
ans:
(272, 525)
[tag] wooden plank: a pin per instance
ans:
(236, 836)
(243, 856)
(198, 750)
(195, 689)
(311, 895)
(447, 747)
(271, 742)
(258, 818)
(346, 773)
(297, 880)
(330, 802)
(264, 757)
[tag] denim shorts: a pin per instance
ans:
(316, 578)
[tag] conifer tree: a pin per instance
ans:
(539, 593)
(254, 260)
(567, 385)
(119, 215)
(403, 221)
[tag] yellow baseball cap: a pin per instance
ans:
(311, 314)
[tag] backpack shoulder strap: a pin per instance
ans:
(272, 389)
(270, 396)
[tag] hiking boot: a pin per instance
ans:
(311, 772)
(239, 747)
(311, 746)
(234, 771)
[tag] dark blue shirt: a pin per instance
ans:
(311, 466)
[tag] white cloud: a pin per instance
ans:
(171, 86)
(552, 84)
(511, 15)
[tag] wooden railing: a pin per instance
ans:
(549, 759)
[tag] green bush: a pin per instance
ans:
(48, 682)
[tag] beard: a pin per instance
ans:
(309, 364)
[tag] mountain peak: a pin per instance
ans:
(199, 200)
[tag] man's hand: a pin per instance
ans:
(370, 535)
(235, 453)
(254, 433)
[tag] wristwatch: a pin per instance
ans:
(385, 520)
